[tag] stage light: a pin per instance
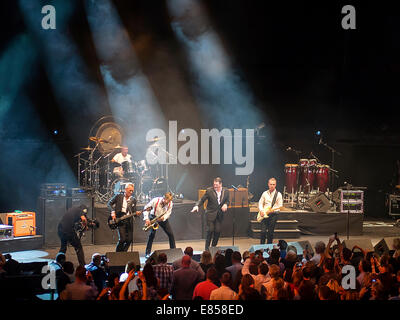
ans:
(129, 92)
(55, 132)
(318, 133)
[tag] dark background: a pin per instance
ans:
(305, 71)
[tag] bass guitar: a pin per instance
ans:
(115, 223)
(264, 214)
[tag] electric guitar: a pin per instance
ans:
(115, 223)
(266, 212)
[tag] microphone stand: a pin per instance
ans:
(234, 214)
(333, 151)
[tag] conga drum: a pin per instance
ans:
(291, 177)
(323, 177)
(303, 174)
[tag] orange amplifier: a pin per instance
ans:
(24, 223)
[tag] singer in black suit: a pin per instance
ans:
(119, 205)
(218, 199)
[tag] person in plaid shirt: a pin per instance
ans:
(164, 272)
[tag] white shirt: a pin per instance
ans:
(119, 158)
(219, 196)
(266, 200)
(124, 205)
(160, 210)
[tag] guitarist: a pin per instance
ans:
(217, 205)
(269, 205)
(120, 205)
(162, 208)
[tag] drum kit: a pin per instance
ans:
(306, 179)
(104, 178)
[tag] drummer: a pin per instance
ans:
(119, 159)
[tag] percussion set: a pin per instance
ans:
(104, 177)
(305, 179)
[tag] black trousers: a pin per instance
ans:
(125, 236)
(73, 239)
(167, 229)
(213, 232)
(267, 228)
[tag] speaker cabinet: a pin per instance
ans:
(364, 244)
(222, 249)
(118, 260)
(172, 254)
(319, 203)
(300, 246)
(51, 211)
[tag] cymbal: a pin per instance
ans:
(118, 147)
(95, 139)
(156, 139)
(87, 149)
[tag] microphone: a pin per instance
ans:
(236, 189)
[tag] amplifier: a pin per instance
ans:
(352, 207)
(24, 223)
(237, 199)
(394, 205)
(50, 190)
(79, 192)
(6, 232)
(352, 195)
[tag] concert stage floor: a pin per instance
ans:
(373, 230)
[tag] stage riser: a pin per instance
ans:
(21, 244)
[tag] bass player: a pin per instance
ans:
(269, 205)
(120, 205)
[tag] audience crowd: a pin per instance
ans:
(278, 274)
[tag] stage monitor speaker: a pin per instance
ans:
(222, 249)
(364, 244)
(384, 246)
(389, 242)
(118, 260)
(51, 211)
(300, 246)
(263, 247)
(172, 255)
(319, 203)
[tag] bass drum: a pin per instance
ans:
(159, 188)
(118, 185)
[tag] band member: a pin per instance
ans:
(162, 207)
(119, 159)
(269, 205)
(120, 205)
(218, 199)
(67, 234)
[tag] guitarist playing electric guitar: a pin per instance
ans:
(120, 205)
(269, 204)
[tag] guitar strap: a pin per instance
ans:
(274, 199)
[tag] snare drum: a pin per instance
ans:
(291, 177)
(323, 177)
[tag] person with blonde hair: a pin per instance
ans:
(161, 209)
